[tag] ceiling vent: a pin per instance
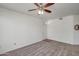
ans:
(60, 18)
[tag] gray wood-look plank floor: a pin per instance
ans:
(46, 48)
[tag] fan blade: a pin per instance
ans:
(49, 4)
(47, 11)
(31, 9)
(37, 4)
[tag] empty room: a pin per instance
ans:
(39, 29)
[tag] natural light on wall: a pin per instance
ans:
(49, 22)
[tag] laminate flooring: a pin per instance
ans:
(46, 48)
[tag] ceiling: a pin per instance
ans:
(58, 9)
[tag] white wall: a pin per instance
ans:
(76, 33)
(61, 30)
(24, 30)
(20, 29)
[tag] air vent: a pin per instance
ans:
(60, 18)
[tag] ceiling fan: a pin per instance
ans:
(41, 8)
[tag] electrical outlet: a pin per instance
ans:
(14, 43)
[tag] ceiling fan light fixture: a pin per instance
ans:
(41, 8)
(40, 12)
